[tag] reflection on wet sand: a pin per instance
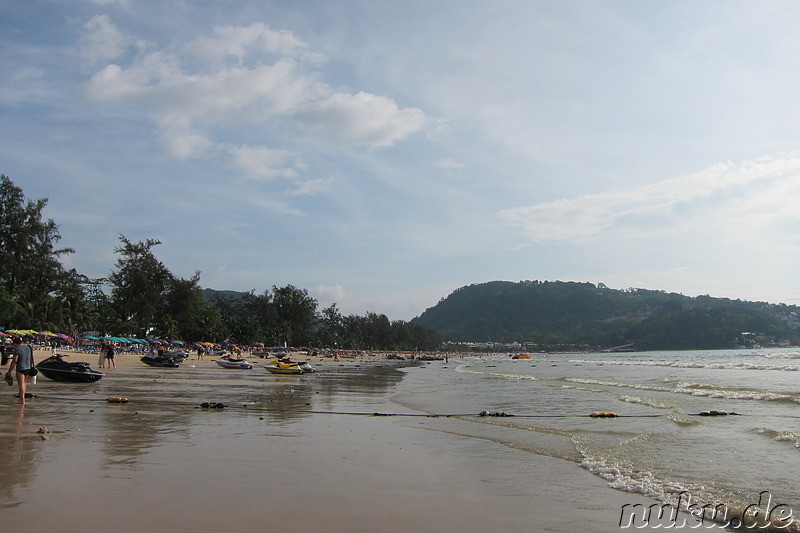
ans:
(19, 450)
(164, 407)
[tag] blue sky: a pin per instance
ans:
(382, 154)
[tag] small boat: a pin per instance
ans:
(55, 368)
(521, 356)
(164, 361)
(228, 362)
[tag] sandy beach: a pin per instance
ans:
(283, 454)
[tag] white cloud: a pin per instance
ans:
(252, 76)
(103, 41)
(361, 119)
(182, 141)
(732, 199)
(239, 42)
(309, 187)
(262, 162)
(449, 164)
(148, 82)
(329, 293)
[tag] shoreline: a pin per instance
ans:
(163, 462)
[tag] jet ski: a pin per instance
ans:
(55, 368)
(167, 361)
(287, 366)
(229, 362)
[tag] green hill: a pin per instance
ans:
(558, 312)
(211, 295)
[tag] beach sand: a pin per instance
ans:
(280, 456)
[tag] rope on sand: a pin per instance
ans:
(254, 408)
(482, 414)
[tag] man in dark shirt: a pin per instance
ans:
(22, 361)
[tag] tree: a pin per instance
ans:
(295, 311)
(9, 308)
(331, 327)
(76, 312)
(377, 331)
(259, 314)
(138, 287)
(410, 336)
(184, 314)
(30, 268)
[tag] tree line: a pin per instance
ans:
(142, 298)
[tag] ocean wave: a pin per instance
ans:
(713, 391)
(674, 416)
(606, 383)
(782, 355)
(713, 365)
(623, 476)
(717, 505)
(780, 436)
(494, 374)
(695, 389)
(650, 402)
(681, 419)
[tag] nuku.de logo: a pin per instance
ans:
(761, 515)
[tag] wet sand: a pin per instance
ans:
(281, 455)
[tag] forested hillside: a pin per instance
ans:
(583, 313)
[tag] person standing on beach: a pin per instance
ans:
(110, 356)
(101, 360)
(22, 361)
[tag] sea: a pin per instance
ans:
(716, 433)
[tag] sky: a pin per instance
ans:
(381, 154)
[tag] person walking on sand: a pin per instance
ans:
(110, 356)
(22, 362)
